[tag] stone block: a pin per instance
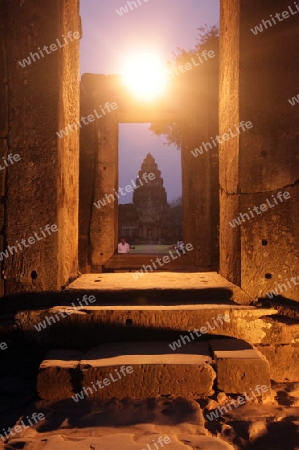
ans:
(147, 371)
(107, 323)
(58, 375)
(265, 268)
(239, 366)
(283, 361)
(134, 370)
(282, 330)
(148, 380)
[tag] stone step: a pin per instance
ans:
(239, 366)
(85, 327)
(67, 325)
(148, 369)
(136, 262)
(274, 336)
(103, 308)
(133, 370)
(163, 287)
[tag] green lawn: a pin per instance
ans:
(150, 249)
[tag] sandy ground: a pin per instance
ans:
(137, 425)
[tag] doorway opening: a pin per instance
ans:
(150, 211)
(188, 112)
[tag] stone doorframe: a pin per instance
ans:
(98, 227)
(258, 74)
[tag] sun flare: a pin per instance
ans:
(145, 76)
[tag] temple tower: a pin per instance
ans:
(150, 199)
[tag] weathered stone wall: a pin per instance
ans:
(42, 188)
(259, 73)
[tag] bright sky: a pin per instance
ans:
(155, 25)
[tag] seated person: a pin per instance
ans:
(123, 246)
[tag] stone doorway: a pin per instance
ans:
(256, 80)
(98, 227)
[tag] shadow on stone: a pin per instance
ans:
(41, 300)
(279, 435)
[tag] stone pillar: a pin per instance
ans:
(87, 172)
(42, 188)
(196, 204)
(258, 75)
(230, 262)
(104, 221)
(98, 173)
(196, 176)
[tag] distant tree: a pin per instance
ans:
(198, 88)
